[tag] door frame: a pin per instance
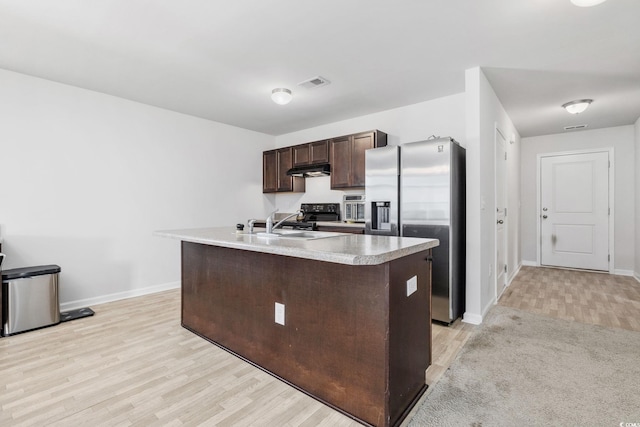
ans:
(610, 152)
(496, 134)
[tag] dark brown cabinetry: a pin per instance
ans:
(311, 153)
(270, 171)
(360, 346)
(341, 229)
(275, 164)
(347, 157)
(319, 152)
(301, 155)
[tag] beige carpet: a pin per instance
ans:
(525, 369)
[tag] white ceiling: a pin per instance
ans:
(220, 59)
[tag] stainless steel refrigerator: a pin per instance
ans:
(418, 190)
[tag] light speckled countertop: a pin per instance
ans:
(341, 248)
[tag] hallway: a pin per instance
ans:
(592, 298)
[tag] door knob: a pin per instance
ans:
(544, 217)
(544, 209)
(500, 221)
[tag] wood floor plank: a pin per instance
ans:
(133, 364)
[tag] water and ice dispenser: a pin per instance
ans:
(381, 216)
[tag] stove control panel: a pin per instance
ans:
(331, 208)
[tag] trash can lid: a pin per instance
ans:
(24, 272)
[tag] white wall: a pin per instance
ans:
(483, 113)
(621, 138)
(442, 117)
(637, 198)
(87, 178)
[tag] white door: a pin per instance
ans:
(501, 218)
(574, 216)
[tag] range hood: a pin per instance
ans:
(309, 171)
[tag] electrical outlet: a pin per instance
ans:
(412, 285)
(280, 313)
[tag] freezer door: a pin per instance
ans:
(382, 170)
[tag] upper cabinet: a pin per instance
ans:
(345, 154)
(270, 171)
(311, 153)
(347, 158)
(275, 164)
(300, 155)
(319, 152)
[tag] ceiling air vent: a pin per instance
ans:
(314, 82)
(575, 127)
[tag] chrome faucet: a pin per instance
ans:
(270, 221)
(250, 223)
(271, 227)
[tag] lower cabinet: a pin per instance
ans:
(341, 229)
(360, 346)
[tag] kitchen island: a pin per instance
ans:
(344, 318)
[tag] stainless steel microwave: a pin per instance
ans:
(353, 209)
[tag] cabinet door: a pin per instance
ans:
(285, 161)
(360, 144)
(301, 155)
(269, 171)
(340, 162)
(319, 152)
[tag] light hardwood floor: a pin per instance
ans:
(132, 364)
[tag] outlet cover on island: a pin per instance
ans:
(280, 313)
(412, 285)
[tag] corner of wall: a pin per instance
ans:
(637, 200)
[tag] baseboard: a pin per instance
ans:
(72, 305)
(513, 274)
(529, 263)
(637, 276)
(474, 319)
(623, 272)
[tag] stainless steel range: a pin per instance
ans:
(314, 213)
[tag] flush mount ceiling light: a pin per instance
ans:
(281, 96)
(577, 106)
(587, 3)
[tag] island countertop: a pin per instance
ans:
(340, 248)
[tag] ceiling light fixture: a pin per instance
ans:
(281, 96)
(577, 106)
(587, 3)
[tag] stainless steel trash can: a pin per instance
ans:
(29, 298)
